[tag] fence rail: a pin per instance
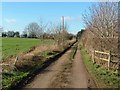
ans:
(102, 52)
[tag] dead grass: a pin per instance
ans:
(31, 58)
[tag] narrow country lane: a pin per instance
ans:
(80, 75)
(64, 73)
(43, 79)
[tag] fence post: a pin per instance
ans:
(93, 56)
(15, 60)
(109, 59)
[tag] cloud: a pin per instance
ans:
(79, 18)
(10, 21)
(69, 18)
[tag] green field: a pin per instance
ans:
(15, 46)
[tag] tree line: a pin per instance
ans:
(42, 30)
(10, 34)
(56, 31)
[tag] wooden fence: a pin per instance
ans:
(108, 59)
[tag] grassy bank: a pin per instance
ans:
(14, 46)
(10, 79)
(30, 68)
(102, 77)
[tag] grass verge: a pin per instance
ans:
(73, 52)
(102, 77)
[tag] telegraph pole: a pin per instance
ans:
(62, 31)
(62, 23)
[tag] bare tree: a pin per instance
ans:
(102, 21)
(61, 35)
(102, 18)
(33, 30)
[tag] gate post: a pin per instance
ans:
(109, 59)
